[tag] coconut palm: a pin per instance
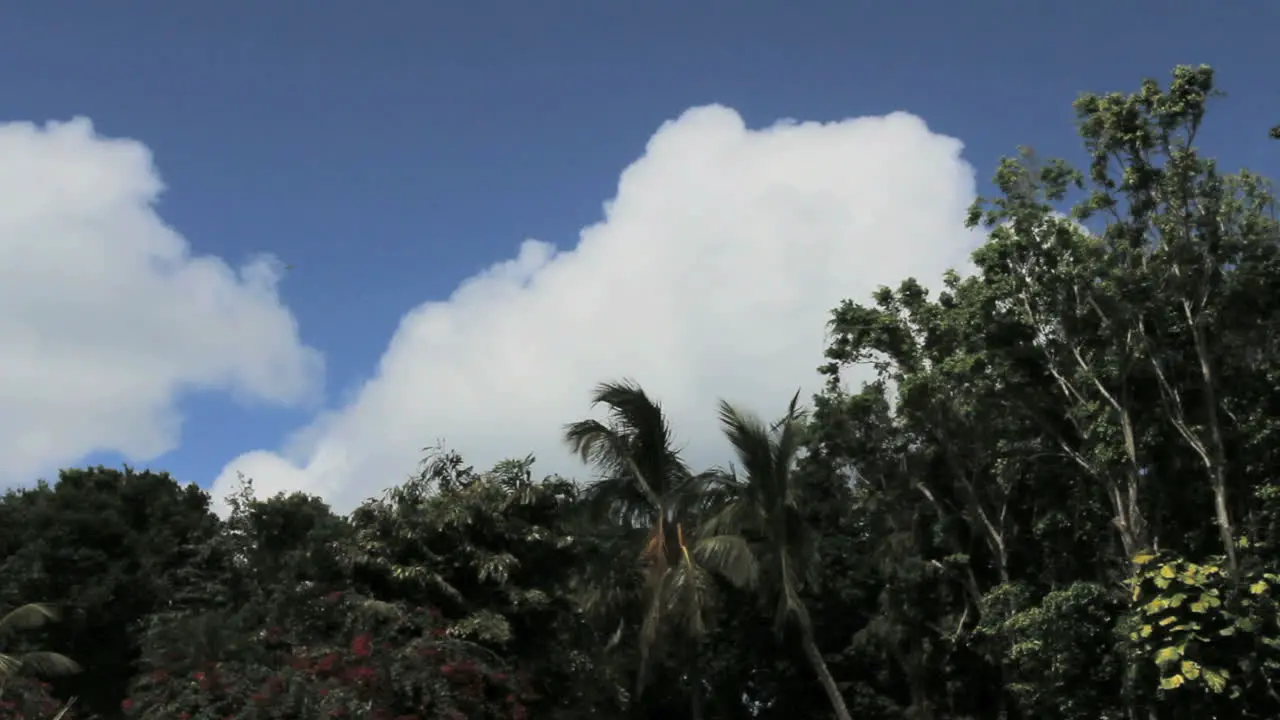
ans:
(758, 503)
(645, 494)
(28, 617)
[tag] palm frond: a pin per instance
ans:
(699, 495)
(48, 664)
(586, 438)
(787, 433)
(614, 457)
(28, 617)
(730, 556)
(631, 409)
(609, 500)
(687, 595)
(636, 440)
(736, 513)
(753, 444)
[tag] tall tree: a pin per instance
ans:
(644, 488)
(1101, 385)
(1148, 296)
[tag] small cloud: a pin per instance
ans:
(109, 317)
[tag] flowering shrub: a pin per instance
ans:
(26, 698)
(408, 669)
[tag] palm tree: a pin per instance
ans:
(642, 477)
(28, 617)
(643, 497)
(762, 508)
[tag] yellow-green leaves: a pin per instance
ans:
(1189, 671)
(1194, 622)
(1207, 601)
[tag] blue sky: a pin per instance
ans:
(388, 151)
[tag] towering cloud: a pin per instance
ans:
(711, 275)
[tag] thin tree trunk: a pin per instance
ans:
(823, 672)
(1217, 463)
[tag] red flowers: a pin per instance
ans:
(362, 645)
(326, 663)
(403, 673)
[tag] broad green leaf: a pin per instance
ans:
(1172, 682)
(1215, 679)
(1168, 655)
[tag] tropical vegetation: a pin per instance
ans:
(1056, 495)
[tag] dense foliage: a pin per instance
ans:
(1056, 497)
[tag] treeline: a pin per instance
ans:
(1058, 498)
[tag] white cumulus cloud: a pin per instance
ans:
(106, 317)
(712, 275)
